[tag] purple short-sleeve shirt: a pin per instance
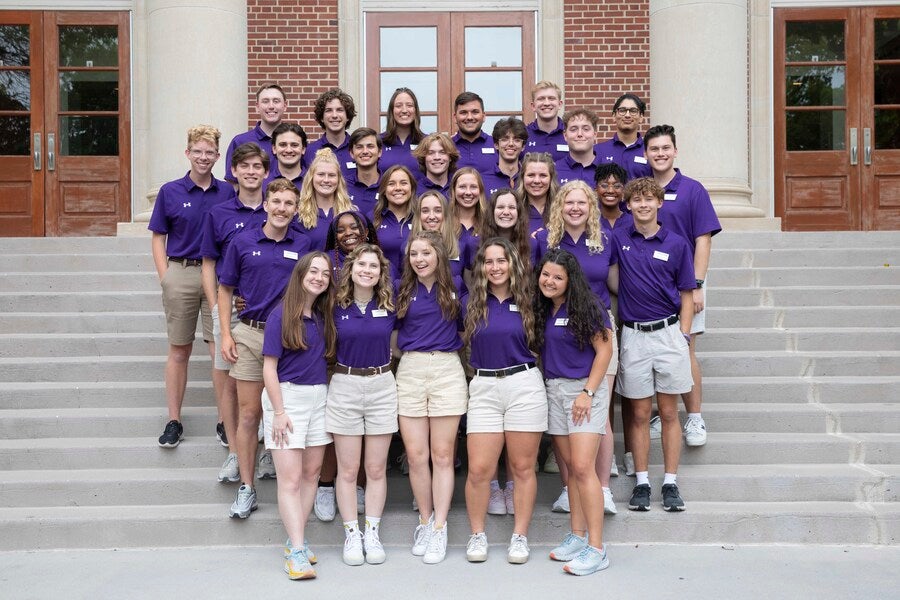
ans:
(302, 367)
(255, 135)
(561, 356)
(424, 328)
(594, 265)
(631, 158)
(479, 153)
(553, 143)
(501, 343)
(364, 339)
(687, 209)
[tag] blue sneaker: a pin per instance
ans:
(589, 560)
(297, 565)
(288, 548)
(569, 549)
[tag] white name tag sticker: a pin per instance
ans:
(562, 147)
(487, 150)
(291, 255)
(455, 258)
(413, 146)
(376, 195)
(640, 159)
(453, 295)
(561, 322)
(350, 164)
(670, 196)
(379, 312)
(660, 255)
(513, 308)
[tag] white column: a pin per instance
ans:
(699, 85)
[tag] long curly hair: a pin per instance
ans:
(293, 334)
(519, 288)
(519, 234)
(545, 159)
(446, 293)
(448, 226)
(382, 202)
(308, 211)
(384, 289)
(585, 318)
(556, 225)
(480, 207)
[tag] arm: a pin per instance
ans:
(686, 316)
(281, 424)
(229, 350)
(703, 245)
(581, 409)
(208, 277)
(395, 349)
(158, 249)
(612, 280)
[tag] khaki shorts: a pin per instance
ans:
(305, 406)
(183, 300)
(249, 343)
(561, 394)
(361, 405)
(613, 367)
(219, 363)
(517, 402)
(431, 384)
(654, 361)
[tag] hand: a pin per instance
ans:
(281, 426)
(229, 349)
(698, 300)
(239, 304)
(581, 409)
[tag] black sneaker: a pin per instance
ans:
(672, 501)
(220, 434)
(640, 498)
(172, 434)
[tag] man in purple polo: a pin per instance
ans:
(688, 211)
(580, 163)
(654, 277)
(510, 136)
(334, 111)
(545, 133)
(270, 105)
(476, 148)
(176, 225)
(362, 182)
(288, 147)
(625, 147)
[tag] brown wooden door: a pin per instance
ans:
(837, 117)
(78, 149)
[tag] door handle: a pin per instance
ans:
(854, 146)
(867, 146)
(37, 152)
(51, 152)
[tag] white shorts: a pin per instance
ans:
(219, 363)
(653, 361)
(305, 406)
(698, 324)
(613, 367)
(517, 402)
(361, 405)
(561, 394)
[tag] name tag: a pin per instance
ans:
(413, 146)
(640, 159)
(291, 255)
(409, 225)
(561, 322)
(376, 195)
(350, 164)
(660, 255)
(453, 295)
(513, 308)
(487, 150)
(670, 196)
(562, 147)
(379, 312)
(456, 259)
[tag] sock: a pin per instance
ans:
(326, 483)
(351, 527)
(642, 477)
(437, 527)
(372, 523)
(430, 519)
(669, 478)
(694, 416)
(606, 489)
(495, 485)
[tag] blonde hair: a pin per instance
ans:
(308, 211)
(556, 226)
(546, 85)
(203, 133)
(384, 289)
(448, 227)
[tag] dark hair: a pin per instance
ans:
(285, 127)
(334, 94)
(361, 221)
(633, 97)
(604, 171)
(465, 98)
(659, 131)
(390, 132)
(249, 150)
(293, 334)
(510, 125)
(585, 318)
(270, 86)
(361, 133)
(520, 236)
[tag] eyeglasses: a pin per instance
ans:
(622, 111)
(616, 186)
(203, 153)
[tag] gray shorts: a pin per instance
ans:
(561, 394)
(653, 361)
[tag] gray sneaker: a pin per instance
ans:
(229, 473)
(244, 503)
(265, 467)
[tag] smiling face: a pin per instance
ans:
(431, 213)
(536, 179)
(628, 117)
(325, 179)
(575, 209)
(467, 191)
(202, 156)
(365, 152)
(437, 161)
(546, 104)
(365, 271)
(250, 173)
(281, 208)
(496, 267)
(644, 208)
(270, 106)
(579, 134)
(509, 147)
(316, 279)
(553, 282)
(398, 189)
(506, 211)
(288, 149)
(348, 233)
(661, 153)
(610, 192)
(423, 260)
(404, 110)
(469, 118)
(335, 117)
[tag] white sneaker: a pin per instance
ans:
(609, 505)
(695, 432)
(562, 503)
(360, 500)
(550, 465)
(421, 537)
(477, 548)
(518, 552)
(655, 428)
(497, 502)
(508, 499)
(324, 506)
(265, 466)
(613, 468)
(437, 546)
(229, 471)
(353, 549)
(374, 548)
(629, 464)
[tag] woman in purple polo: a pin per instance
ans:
(576, 347)
(537, 185)
(348, 230)
(402, 134)
(507, 217)
(507, 399)
(430, 213)
(393, 215)
(431, 386)
(322, 196)
(298, 338)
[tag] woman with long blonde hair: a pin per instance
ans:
(322, 196)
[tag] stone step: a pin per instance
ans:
(81, 301)
(97, 368)
(76, 245)
(813, 258)
(848, 277)
(804, 240)
(101, 261)
(88, 344)
(748, 339)
(825, 389)
(809, 297)
(99, 394)
(84, 322)
(837, 317)
(70, 281)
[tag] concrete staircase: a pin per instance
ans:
(801, 373)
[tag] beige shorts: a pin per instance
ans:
(613, 367)
(517, 402)
(219, 363)
(305, 406)
(561, 394)
(249, 342)
(431, 384)
(654, 361)
(183, 300)
(361, 405)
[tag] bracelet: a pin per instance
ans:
(278, 414)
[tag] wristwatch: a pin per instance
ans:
(700, 283)
(588, 392)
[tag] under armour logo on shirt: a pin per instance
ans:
(345, 317)
(186, 204)
(532, 143)
(256, 253)
(238, 225)
(382, 227)
(626, 247)
(564, 181)
(609, 159)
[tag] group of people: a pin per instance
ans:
(505, 284)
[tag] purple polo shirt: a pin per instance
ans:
(561, 355)
(255, 135)
(362, 195)
(424, 328)
(398, 154)
(497, 180)
(392, 236)
(223, 222)
(568, 170)
(652, 271)
(501, 343)
(318, 234)
(342, 152)
(624, 220)
(480, 154)
(468, 246)
(178, 213)
(553, 143)
(631, 158)
(303, 367)
(364, 339)
(688, 210)
(594, 266)
(423, 184)
(261, 267)
(535, 219)
(275, 173)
